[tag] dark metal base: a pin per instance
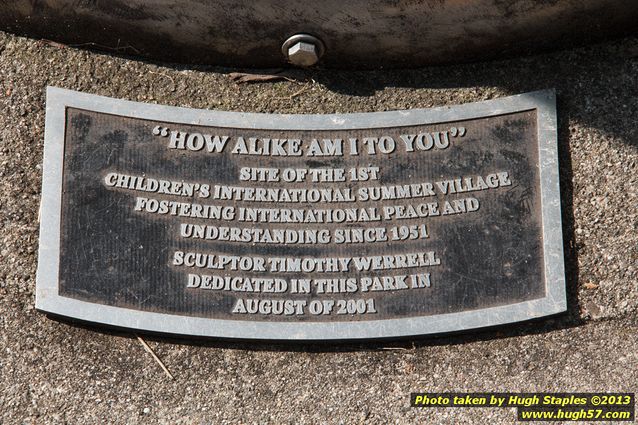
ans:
(356, 33)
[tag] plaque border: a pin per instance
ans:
(48, 300)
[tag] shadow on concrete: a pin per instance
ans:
(595, 83)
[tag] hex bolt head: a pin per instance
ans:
(303, 50)
(303, 54)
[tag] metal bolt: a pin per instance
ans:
(303, 50)
(303, 54)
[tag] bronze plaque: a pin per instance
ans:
(305, 227)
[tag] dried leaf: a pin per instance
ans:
(53, 43)
(241, 77)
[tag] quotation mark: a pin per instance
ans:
(160, 131)
(457, 131)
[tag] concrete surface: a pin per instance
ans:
(56, 372)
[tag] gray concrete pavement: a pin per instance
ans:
(55, 372)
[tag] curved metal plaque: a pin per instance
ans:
(300, 227)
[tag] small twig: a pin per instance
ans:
(157, 359)
(103, 47)
(298, 92)
(174, 88)
(163, 75)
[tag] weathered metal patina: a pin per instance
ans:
(300, 227)
(356, 33)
